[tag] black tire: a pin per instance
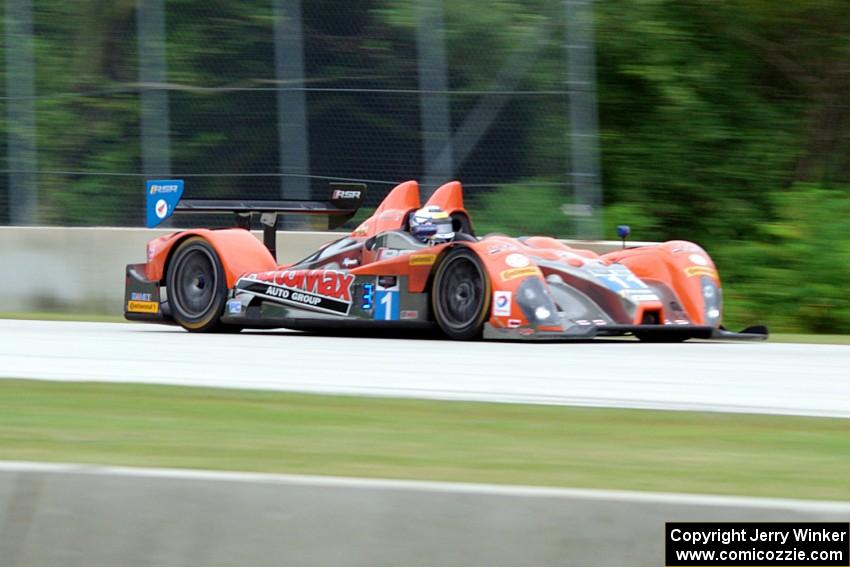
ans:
(196, 285)
(460, 294)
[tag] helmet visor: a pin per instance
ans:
(444, 229)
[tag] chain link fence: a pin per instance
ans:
(275, 98)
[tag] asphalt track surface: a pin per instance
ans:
(705, 376)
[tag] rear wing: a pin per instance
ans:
(165, 198)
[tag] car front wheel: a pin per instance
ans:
(460, 295)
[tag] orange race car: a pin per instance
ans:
(415, 266)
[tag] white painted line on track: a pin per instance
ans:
(433, 486)
(767, 378)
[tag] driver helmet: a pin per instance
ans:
(431, 225)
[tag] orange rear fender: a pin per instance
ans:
(238, 250)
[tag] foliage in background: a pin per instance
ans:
(794, 268)
(790, 270)
(726, 123)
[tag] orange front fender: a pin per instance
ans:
(679, 265)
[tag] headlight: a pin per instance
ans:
(536, 304)
(712, 301)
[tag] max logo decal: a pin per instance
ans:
(323, 290)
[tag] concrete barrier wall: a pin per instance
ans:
(66, 515)
(81, 270)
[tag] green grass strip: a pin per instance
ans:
(161, 426)
(810, 339)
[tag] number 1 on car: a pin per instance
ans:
(387, 308)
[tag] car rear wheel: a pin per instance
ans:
(460, 295)
(196, 285)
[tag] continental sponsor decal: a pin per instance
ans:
(422, 259)
(320, 290)
(693, 271)
(143, 307)
(520, 273)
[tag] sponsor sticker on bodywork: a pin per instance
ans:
(143, 307)
(322, 290)
(698, 259)
(136, 296)
(516, 261)
(686, 247)
(387, 299)
(234, 306)
(520, 273)
(501, 303)
(618, 278)
(692, 271)
(499, 248)
(391, 215)
(422, 259)
(637, 296)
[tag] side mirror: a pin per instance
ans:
(623, 231)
